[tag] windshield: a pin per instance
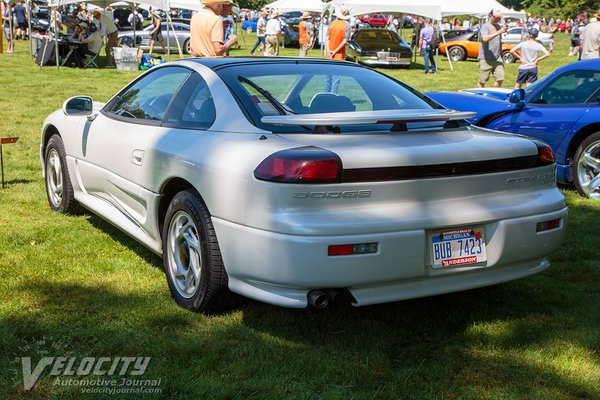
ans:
(309, 88)
(533, 88)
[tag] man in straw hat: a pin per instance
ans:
(490, 50)
(272, 34)
(306, 32)
(339, 34)
(590, 42)
(206, 30)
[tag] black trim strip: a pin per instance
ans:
(440, 170)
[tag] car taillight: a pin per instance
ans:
(545, 154)
(301, 165)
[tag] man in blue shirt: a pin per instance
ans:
(427, 46)
(21, 16)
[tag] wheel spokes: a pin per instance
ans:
(590, 161)
(184, 254)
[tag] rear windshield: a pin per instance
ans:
(305, 88)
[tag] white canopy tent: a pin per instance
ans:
(155, 4)
(295, 5)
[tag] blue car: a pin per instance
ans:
(249, 25)
(562, 109)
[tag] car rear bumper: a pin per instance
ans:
(281, 269)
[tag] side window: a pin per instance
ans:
(193, 107)
(149, 97)
(573, 87)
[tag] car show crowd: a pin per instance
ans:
(86, 29)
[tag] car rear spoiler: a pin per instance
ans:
(368, 117)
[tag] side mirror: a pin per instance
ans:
(517, 97)
(78, 105)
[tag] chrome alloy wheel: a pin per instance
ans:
(588, 170)
(54, 177)
(185, 254)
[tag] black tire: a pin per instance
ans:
(508, 57)
(186, 47)
(188, 226)
(457, 53)
(583, 171)
(59, 189)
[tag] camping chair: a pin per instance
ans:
(90, 61)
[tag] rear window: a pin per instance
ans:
(280, 89)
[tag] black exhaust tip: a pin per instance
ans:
(318, 299)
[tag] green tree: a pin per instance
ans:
(254, 4)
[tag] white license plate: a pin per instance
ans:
(392, 58)
(458, 247)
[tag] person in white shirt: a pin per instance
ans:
(261, 27)
(273, 32)
(590, 39)
(112, 35)
(135, 19)
(529, 55)
(92, 41)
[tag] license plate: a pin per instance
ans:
(392, 58)
(458, 247)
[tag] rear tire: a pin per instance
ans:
(457, 53)
(192, 258)
(59, 189)
(186, 47)
(586, 167)
(508, 57)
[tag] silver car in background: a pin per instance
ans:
(516, 36)
(304, 182)
(177, 31)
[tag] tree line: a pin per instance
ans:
(537, 8)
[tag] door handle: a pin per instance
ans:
(137, 157)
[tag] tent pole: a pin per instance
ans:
(447, 53)
(54, 29)
(29, 22)
(134, 23)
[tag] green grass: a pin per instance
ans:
(83, 286)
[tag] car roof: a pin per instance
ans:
(593, 63)
(220, 62)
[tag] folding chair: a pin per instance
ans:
(90, 61)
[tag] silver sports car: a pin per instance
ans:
(301, 181)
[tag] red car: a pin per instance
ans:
(375, 20)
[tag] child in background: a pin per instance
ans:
(530, 50)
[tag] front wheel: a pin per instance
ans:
(586, 167)
(186, 47)
(249, 30)
(59, 190)
(192, 258)
(508, 57)
(457, 53)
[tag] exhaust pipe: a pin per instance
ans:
(318, 299)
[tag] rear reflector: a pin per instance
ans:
(350, 249)
(548, 225)
(301, 165)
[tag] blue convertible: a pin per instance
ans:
(562, 109)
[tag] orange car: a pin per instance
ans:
(463, 44)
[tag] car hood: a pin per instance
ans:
(482, 105)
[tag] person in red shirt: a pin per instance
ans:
(306, 32)
(339, 34)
